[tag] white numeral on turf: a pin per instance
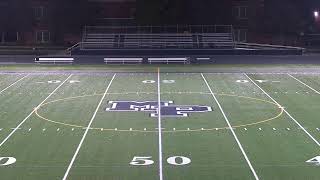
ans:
(163, 81)
(178, 160)
(141, 161)
(168, 81)
(74, 81)
(315, 161)
(146, 160)
(242, 81)
(5, 161)
(149, 81)
(54, 82)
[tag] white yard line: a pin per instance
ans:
(304, 84)
(317, 142)
(13, 83)
(159, 128)
(87, 130)
(231, 129)
(24, 120)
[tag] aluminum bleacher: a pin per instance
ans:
(165, 41)
(216, 40)
(190, 37)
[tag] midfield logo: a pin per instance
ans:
(168, 109)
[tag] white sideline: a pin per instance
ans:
(87, 130)
(304, 84)
(24, 120)
(160, 129)
(231, 129)
(284, 111)
(13, 83)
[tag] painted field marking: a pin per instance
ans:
(231, 129)
(25, 119)
(304, 84)
(284, 111)
(13, 83)
(87, 130)
(159, 128)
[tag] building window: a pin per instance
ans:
(240, 35)
(10, 37)
(39, 12)
(240, 12)
(2, 37)
(43, 36)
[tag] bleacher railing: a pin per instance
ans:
(159, 29)
(252, 46)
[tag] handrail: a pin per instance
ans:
(152, 26)
(73, 47)
(162, 34)
(268, 46)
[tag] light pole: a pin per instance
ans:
(316, 14)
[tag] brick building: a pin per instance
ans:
(245, 14)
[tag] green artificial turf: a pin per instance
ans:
(44, 119)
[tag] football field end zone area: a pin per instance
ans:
(299, 94)
(44, 152)
(279, 149)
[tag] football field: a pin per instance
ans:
(159, 126)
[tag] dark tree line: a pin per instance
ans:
(288, 16)
(161, 12)
(278, 16)
(67, 16)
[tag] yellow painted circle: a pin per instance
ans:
(281, 110)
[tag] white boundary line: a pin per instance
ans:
(24, 120)
(160, 129)
(284, 111)
(231, 129)
(14, 83)
(304, 84)
(87, 130)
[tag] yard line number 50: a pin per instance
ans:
(147, 160)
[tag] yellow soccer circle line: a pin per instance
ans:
(165, 131)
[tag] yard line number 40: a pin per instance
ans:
(147, 160)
